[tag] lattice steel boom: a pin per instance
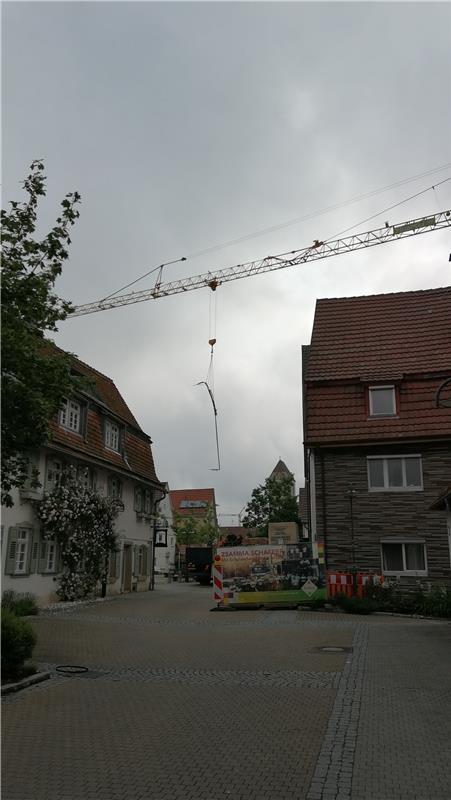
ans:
(316, 251)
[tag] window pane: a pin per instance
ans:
(414, 556)
(382, 401)
(376, 472)
(393, 557)
(413, 472)
(394, 471)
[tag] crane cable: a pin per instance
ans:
(209, 381)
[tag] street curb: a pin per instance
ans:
(9, 688)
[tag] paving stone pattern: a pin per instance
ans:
(181, 704)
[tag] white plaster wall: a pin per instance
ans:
(165, 556)
(131, 529)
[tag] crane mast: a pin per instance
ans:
(318, 250)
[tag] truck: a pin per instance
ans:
(199, 562)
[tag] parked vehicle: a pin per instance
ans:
(200, 560)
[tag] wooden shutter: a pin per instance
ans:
(42, 562)
(10, 565)
(34, 551)
(145, 551)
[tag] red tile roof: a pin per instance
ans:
(402, 338)
(137, 456)
(381, 337)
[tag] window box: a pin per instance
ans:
(404, 557)
(394, 473)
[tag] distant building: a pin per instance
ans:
(281, 471)
(165, 541)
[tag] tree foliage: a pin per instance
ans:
(191, 530)
(81, 521)
(271, 502)
(35, 379)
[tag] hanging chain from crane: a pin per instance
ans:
(316, 251)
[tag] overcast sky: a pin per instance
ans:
(187, 125)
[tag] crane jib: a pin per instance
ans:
(318, 250)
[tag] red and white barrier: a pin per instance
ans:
(218, 592)
(341, 582)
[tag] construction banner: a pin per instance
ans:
(266, 573)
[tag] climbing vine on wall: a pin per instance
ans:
(81, 521)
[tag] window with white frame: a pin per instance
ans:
(51, 557)
(394, 473)
(382, 401)
(404, 557)
(86, 476)
(70, 416)
(54, 473)
(115, 487)
(21, 554)
(111, 435)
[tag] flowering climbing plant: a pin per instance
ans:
(81, 521)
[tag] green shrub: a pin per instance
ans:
(18, 641)
(436, 603)
(22, 604)
(355, 605)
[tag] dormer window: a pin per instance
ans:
(111, 435)
(382, 401)
(70, 416)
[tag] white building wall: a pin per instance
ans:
(165, 556)
(132, 529)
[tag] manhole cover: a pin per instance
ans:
(334, 648)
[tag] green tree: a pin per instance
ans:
(271, 502)
(35, 379)
(186, 528)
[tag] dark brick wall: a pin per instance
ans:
(380, 514)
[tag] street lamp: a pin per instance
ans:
(350, 494)
(160, 539)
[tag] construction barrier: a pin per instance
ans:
(217, 579)
(343, 582)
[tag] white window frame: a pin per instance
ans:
(112, 435)
(22, 551)
(70, 416)
(384, 413)
(411, 572)
(117, 494)
(51, 556)
(386, 487)
(54, 481)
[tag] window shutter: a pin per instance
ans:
(34, 551)
(10, 565)
(118, 563)
(42, 556)
(145, 551)
(136, 561)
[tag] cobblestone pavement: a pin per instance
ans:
(182, 704)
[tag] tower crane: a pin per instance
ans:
(318, 250)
